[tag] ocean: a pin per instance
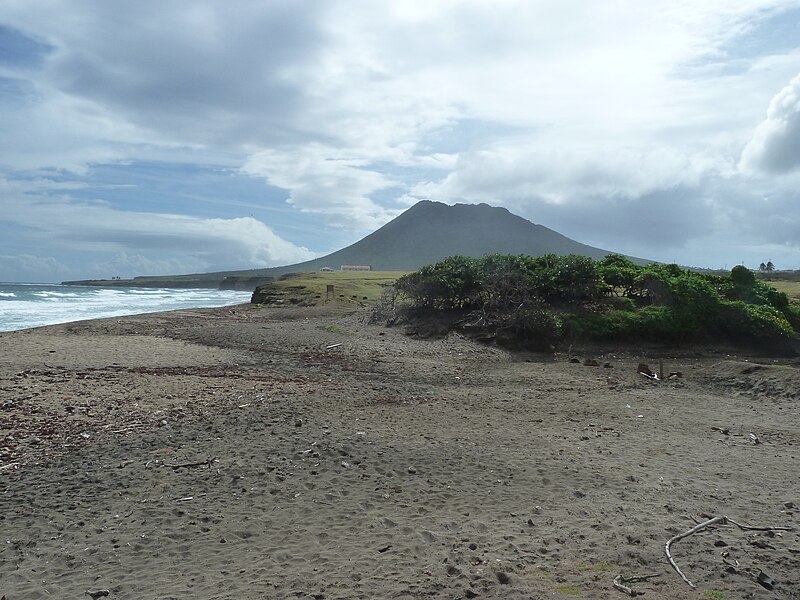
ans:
(25, 305)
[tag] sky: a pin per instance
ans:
(164, 136)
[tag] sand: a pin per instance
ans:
(303, 453)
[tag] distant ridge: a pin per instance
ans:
(424, 234)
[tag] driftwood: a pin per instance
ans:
(200, 463)
(620, 581)
(722, 520)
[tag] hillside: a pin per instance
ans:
(425, 233)
(431, 231)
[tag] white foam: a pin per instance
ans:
(48, 307)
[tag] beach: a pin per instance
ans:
(252, 452)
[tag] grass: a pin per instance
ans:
(713, 595)
(350, 287)
(790, 288)
(569, 590)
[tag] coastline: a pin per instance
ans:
(28, 305)
(246, 452)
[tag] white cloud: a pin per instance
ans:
(568, 174)
(139, 264)
(29, 267)
(775, 145)
(163, 240)
(320, 181)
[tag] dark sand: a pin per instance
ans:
(384, 467)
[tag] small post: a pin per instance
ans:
(329, 292)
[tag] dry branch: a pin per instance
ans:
(722, 520)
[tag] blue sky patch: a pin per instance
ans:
(20, 50)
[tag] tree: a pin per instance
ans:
(769, 267)
(742, 276)
(762, 267)
(619, 273)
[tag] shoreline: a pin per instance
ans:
(57, 305)
(302, 453)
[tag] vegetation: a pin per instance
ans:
(307, 289)
(539, 301)
(789, 287)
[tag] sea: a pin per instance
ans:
(25, 305)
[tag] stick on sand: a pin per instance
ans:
(722, 520)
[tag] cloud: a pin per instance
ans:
(775, 145)
(28, 267)
(767, 215)
(138, 264)
(245, 241)
(201, 73)
(521, 169)
(163, 239)
(320, 181)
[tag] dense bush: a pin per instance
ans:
(619, 273)
(754, 321)
(452, 283)
(565, 279)
(534, 327)
(539, 300)
(650, 322)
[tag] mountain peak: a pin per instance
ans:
(430, 231)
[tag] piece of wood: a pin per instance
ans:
(751, 528)
(8, 466)
(699, 527)
(200, 463)
(721, 520)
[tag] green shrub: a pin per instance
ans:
(657, 323)
(792, 314)
(773, 297)
(532, 327)
(620, 303)
(619, 274)
(515, 297)
(612, 325)
(507, 282)
(742, 276)
(565, 279)
(744, 321)
(452, 283)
